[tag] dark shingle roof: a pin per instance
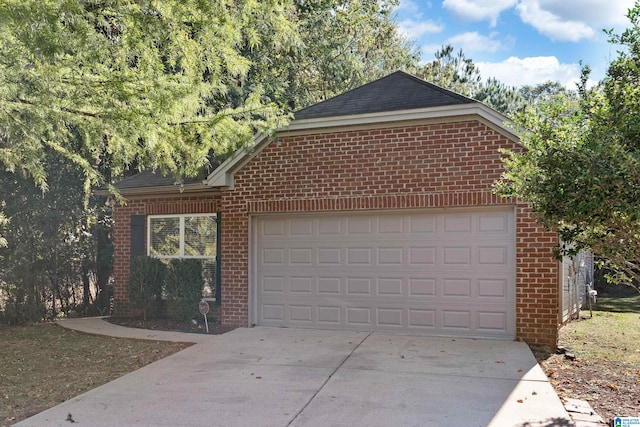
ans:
(397, 91)
(150, 178)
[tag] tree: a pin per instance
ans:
(452, 71)
(581, 169)
(544, 91)
(141, 82)
(104, 87)
(98, 87)
(343, 44)
(456, 72)
(505, 99)
(49, 264)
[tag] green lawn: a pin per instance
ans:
(619, 305)
(612, 334)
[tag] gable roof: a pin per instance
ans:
(395, 98)
(395, 92)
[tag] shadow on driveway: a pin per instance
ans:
(296, 377)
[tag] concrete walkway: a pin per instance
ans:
(295, 377)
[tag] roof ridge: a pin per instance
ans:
(435, 86)
(394, 92)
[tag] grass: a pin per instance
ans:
(44, 365)
(619, 305)
(608, 335)
(612, 334)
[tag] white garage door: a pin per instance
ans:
(440, 272)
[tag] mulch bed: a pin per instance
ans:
(161, 324)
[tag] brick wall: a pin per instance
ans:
(537, 281)
(167, 205)
(419, 166)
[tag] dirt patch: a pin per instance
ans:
(612, 388)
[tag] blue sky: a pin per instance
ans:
(518, 41)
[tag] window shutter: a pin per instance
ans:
(218, 259)
(138, 228)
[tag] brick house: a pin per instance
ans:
(372, 210)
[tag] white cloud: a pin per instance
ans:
(413, 30)
(475, 42)
(596, 13)
(552, 25)
(429, 51)
(531, 71)
(479, 10)
(470, 42)
(408, 6)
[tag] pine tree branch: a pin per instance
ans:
(62, 109)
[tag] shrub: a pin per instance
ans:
(19, 307)
(183, 287)
(145, 284)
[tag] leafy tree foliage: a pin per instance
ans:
(90, 89)
(581, 170)
(456, 72)
(342, 44)
(500, 97)
(139, 82)
(50, 263)
(453, 71)
(544, 92)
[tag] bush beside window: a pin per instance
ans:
(183, 288)
(146, 280)
(180, 281)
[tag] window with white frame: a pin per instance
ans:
(182, 236)
(186, 236)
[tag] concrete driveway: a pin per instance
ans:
(295, 377)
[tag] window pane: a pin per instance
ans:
(200, 236)
(209, 276)
(165, 237)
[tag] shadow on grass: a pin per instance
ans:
(618, 304)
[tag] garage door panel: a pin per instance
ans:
(487, 256)
(407, 287)
(435, 273)
(422, 226)
(494, 223)
(457, 224)
(447, 320)
(329, 315)
(301, 227)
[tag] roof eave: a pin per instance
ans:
(222, 177)
(400, 115)
(169, 190)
